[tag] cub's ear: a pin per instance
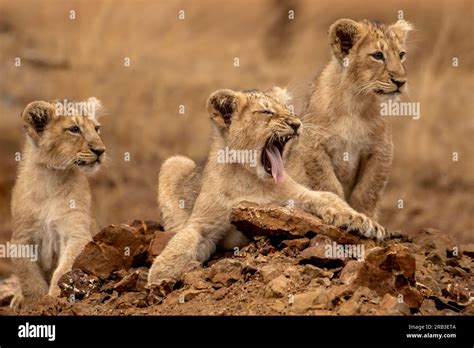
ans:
(343, 34)
(401, 28)
(97, 107)
(36, 116)
(222, 106)
(281, 94)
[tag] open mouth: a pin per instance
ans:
(272, 159)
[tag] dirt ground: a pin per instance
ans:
(180, 62)
(285, 270)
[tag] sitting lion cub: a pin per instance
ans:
(51, 198)
(347, 148)
(248, 125)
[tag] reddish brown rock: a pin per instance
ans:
(297, 244)
(158, 243)
(389, 270)
(196, 280)
(391, 305)
(227, 279)
(164, 287)
(278, 287)
(436, 244)
(117, 247)
(134, 282)
(468, 250)
(319, 254)
(272, 220)
(268, 272)
(99, 260)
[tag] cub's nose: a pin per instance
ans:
(399, 83)
(295, 125)
(98, 151)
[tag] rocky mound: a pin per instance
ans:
(295, 264)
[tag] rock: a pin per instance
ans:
(99, 260)
(390, 305)
(164, 287)
(227, 279)
(296, 244)
(196, 280)
(316, 299)
(226, 265)
(436, 243)
(318, 254)
(411, 296)
(188, 295)
(159, 242)
(271, 220)
(316, 272)
(219, 294)
(350, 273)
(115, 248)
(458, 292)
(350, 307)
(277, 287)
(278, 306)
(428, 307)
(268, 272)
(248, 270)
(225, 272)
(135, 281)
(78, 284)
(389, 270)
(293, 272)
(317, 282)
(468, 250)
(8, 288)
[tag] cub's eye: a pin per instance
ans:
(378, 55)
(268, 112)
(97, 129)
(74, 129)
(402, 54)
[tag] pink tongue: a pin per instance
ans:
(278, 171)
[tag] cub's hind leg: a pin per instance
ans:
(178, 188)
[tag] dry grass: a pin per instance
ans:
(176, 62)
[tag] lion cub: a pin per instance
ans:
(255, 127)
(51, 198)
(347, 148)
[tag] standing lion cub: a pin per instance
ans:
(51, 198)
(255, 127)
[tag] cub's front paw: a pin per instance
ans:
(17, 302)
(168, 266)
(351, 220)
(367, 227)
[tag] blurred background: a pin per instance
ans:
(177, 62)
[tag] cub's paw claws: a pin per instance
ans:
(17, 302)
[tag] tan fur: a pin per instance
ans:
(238, 124)
(51, 197)
(347, 145)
